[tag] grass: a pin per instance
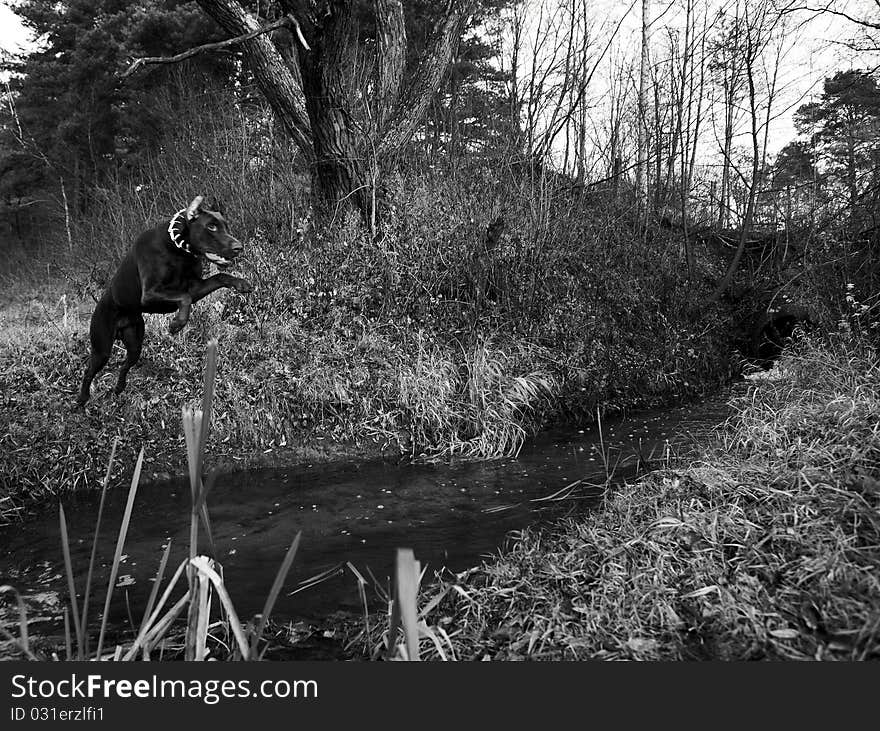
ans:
(766, 548)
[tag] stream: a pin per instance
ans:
(452, 515)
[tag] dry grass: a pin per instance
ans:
(769, 548)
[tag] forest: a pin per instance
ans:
(465, 223)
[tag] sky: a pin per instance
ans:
(811, 52)
(14, 37)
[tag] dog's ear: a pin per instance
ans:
(214, 205)
(194, 208)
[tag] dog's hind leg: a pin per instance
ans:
(102, 345)
(132, 336)
(101, 332)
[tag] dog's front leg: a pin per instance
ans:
(182, 316)
(205, 286)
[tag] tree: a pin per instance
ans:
(761, 26)
(71, 112)
(642, 143)
(793, 165)
(728, 71)
(348, 105)
(796, 180)
(843, 126)
(469, 110)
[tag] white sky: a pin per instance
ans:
(14, 37)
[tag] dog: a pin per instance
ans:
(161, 273)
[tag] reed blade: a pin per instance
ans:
(120, 542)
(83, 641)
(199, 613)
(277, 585)
(68, 645)
(148, 627)
(161, 626)
(202, 509)
(407, 591)
(154, 592)
(207, 401)
(202, 565)
(71, 588)
(191, 427)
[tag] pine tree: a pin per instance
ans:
(844, 127)
(72, 112)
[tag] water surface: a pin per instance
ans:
(452, 515)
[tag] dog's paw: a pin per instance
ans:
(243, 286)
(175, 326)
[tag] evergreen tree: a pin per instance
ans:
(72, 112)
(844, 125)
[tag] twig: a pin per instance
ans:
(287, 20)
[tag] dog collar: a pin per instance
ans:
(176, 229)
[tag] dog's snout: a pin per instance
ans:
(233, 247)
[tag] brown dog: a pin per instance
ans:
(162, 272)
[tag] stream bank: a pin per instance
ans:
(766, 546)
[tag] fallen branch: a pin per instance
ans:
(287, 20)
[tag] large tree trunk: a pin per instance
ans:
(326, 69)
(348, 135)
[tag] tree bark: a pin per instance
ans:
(346, 134)
(418, 93)
(391, 57)
(275, 79)
(338, 167)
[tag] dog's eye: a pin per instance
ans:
(212, 227)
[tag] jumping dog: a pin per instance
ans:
(162, 272)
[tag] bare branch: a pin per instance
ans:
(830, 10)
(287, 20)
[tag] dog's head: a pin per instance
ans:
(208, 235)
